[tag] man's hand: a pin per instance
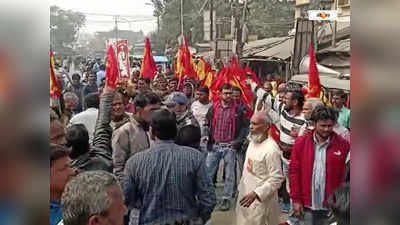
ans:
(247, 200)
(204, 140)
(297, 210)
(108, 89)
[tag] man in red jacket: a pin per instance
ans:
(317, 167)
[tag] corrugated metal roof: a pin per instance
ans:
(280, 47)
(326, 81)
(341, 46)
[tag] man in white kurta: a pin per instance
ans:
(262, 177)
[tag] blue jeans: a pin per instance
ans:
(213, 159)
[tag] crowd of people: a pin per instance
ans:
(148, 152)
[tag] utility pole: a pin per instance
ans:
(182, 18)
(211, 19)
(116, 28)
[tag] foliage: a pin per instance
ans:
(64, 28)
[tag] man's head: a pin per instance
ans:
(226, 93)
(78, 138)
(338, 99)
(173, 84)
(61, 169)
(93, 198)
(259, 125)
(163, 125)
(92, 78)
(162, 84)
(177, 103)
(102, 67)
(267, 86)
(293, 100)
(76, 79)
(310, 105)
(92, 100)
(188, 89)
(282, 88)
(203, 94)
(57, 132)
(143, 84)
(236, 94)
(190, 136)
(324, 118)
(71, 100)
(145, 103)
(118, 108)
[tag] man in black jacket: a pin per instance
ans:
(225, 130)
(97, 157)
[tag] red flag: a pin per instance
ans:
(149, 68)
(184, 64)
(314, 85)
(253, 75)
(111, 68)
(55, 91)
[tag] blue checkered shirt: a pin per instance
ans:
(169, 183)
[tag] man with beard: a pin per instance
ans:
(132, 137)
(161, 89)
(288, 117)
(317, 168)
(177, 102)
(258, 189)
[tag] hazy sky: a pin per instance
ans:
(137, 12)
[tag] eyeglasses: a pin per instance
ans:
(227, 93)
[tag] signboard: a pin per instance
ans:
(322, 15)
(123, 60)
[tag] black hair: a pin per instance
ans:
(76, 75)
(144, 99)
(236, 89)
(57, 152)
(339, 93)
(163, 124)
(78, 138)
(173, 79)
(299, 96)
(92, 100)
(225, 86)
(323, 113)
(102, 67)
(190, 136)
(339, 202)
(145, 79)
(204, 89)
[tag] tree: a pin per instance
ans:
(64, 28)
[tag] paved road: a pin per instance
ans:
(228, 217)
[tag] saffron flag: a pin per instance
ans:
(149, 68)
(111, 68)
(55, 90)
(314, 85)
(184, 64)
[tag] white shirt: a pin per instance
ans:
(199, 111)
(87, 118)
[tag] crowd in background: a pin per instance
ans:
(148, 152)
